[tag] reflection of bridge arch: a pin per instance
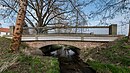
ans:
(78, 44)
(54, 47)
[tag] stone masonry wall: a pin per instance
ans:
(78, 44)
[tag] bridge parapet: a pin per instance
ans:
(64, 30)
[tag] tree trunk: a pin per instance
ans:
(18, 27)
(129, 30)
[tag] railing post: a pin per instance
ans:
(25, 31)
(113, 29)
(11, 30)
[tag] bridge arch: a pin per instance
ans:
(56, 47)
(77, 44)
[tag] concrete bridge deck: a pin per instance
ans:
(90, 38)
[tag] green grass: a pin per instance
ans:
(113, 59)
(108, 68)
(119, 53)
(21, 63)
(54, 68)
(29, 64)
(34, 63)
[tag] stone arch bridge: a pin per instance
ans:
(79, 42)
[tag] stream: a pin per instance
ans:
(70, 62)
(74, 65)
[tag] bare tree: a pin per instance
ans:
(19, 24)
(41, 13)
(108, 9)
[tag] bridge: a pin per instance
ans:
(36, 38)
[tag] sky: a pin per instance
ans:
(92, 22)
(121, 30)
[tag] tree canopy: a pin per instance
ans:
(43, 12)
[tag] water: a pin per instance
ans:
(63, 52)
(70, 62)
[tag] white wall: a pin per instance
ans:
(3, 33)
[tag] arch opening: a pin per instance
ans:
(60, 50)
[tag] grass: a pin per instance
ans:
(29, 64)
(118, 53)
(54, 68)
(21, 63)
(115, 58)
(108, 68)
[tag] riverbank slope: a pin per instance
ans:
(21, 63)
(113, 57)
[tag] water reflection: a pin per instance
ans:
(63, 52)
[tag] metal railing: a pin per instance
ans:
(112, 30)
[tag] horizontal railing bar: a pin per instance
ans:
(66, 27)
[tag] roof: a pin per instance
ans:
(4, 29)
